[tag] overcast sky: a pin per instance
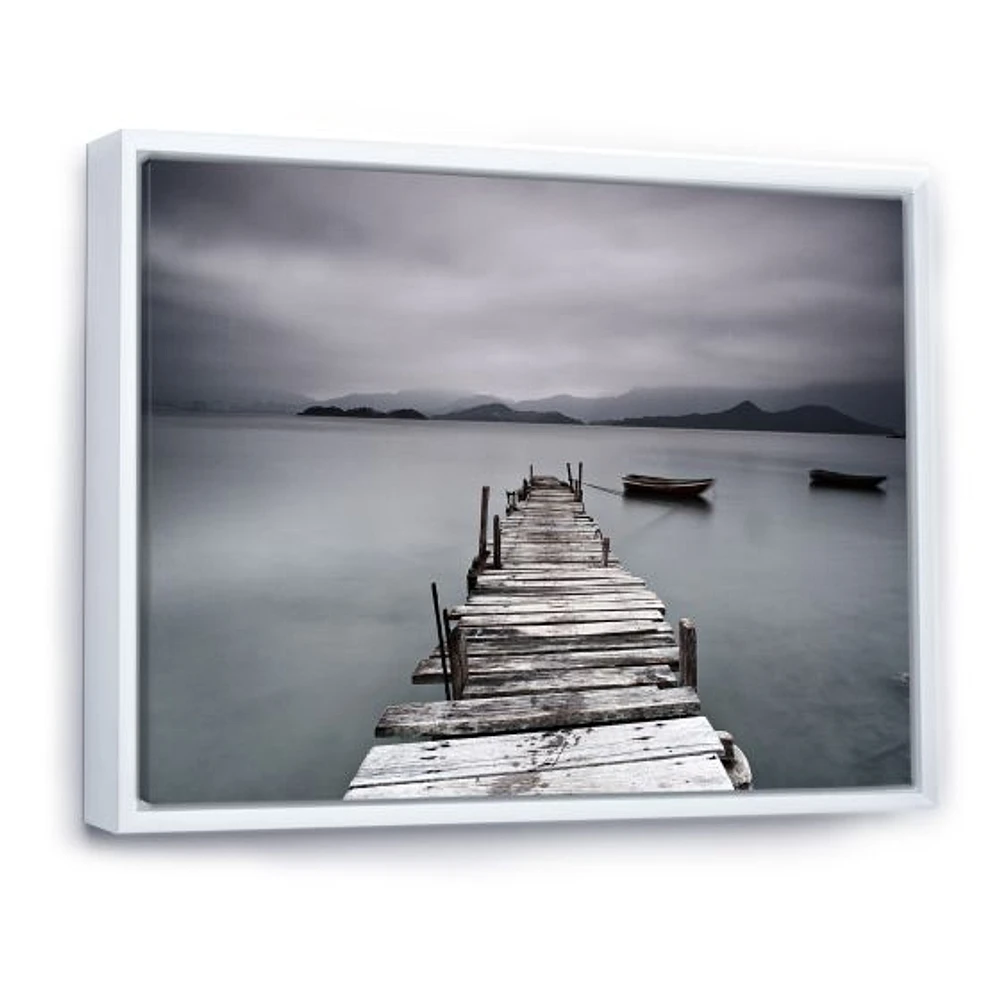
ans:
(272, 279)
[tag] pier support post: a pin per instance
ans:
(531, 473)
(441, 643)
(496, 541)
(579, 481)
(458, 656)
(605, 550)
(569, 475)
(688, 641)
(484, 513)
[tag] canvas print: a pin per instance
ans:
(466, 485)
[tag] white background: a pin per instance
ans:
(843, 906)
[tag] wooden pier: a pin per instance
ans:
(561, 674)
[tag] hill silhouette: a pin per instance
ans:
(501, 413)
(747, 416)
(363, 412)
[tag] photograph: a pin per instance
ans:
(473, 484)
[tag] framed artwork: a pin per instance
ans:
(430, 485)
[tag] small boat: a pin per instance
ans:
(844, 480)
(657, 486)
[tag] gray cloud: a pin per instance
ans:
(270, 279)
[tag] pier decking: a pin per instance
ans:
(561, 674)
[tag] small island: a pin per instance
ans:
(362, 412)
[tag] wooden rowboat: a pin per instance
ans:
(657, 486)
(844, 480)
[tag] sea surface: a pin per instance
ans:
(288, 562)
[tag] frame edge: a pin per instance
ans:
(110, 493)
(102, 665)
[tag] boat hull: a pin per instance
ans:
(667, 489)
(844, 480)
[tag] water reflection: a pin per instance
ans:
(687, 505)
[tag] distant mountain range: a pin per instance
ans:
(745, 416)
(878, 404)
(881, 404)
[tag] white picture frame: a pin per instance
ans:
(111, 714)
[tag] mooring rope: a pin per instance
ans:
(605, 489)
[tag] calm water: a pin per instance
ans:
(289, 562)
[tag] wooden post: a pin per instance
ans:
(473, 574)
(496, 541)
(484, 513)
(459, 662)
(531, 473)
(569, 474)
(605, 550)
(462, 657)
(441, 642)
(579, 481)
(688, 636)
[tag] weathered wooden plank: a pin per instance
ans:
(428, 670)
(552, 506)
(517, 630)
(483, 716)
(583, 529)
(551, 553)
(611, 596)
(572, 580)
(551, 530)
(510, 648)
(543, 547)
(540, 522)
(489, 645)
(555, 617)
(578, 557)
(567, 562)
(557, 749)
(540, 681)
(522, 607)
(575, 559)
(551, 540)
(552, 519)
(547, 571)
(543, 544)
(542, 550)
(700, 773)
(569, 586)
(571, 590)
(614, 631)
(561, 522)
(636, 597)
(556, 511)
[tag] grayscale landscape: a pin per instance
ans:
(336, 360)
